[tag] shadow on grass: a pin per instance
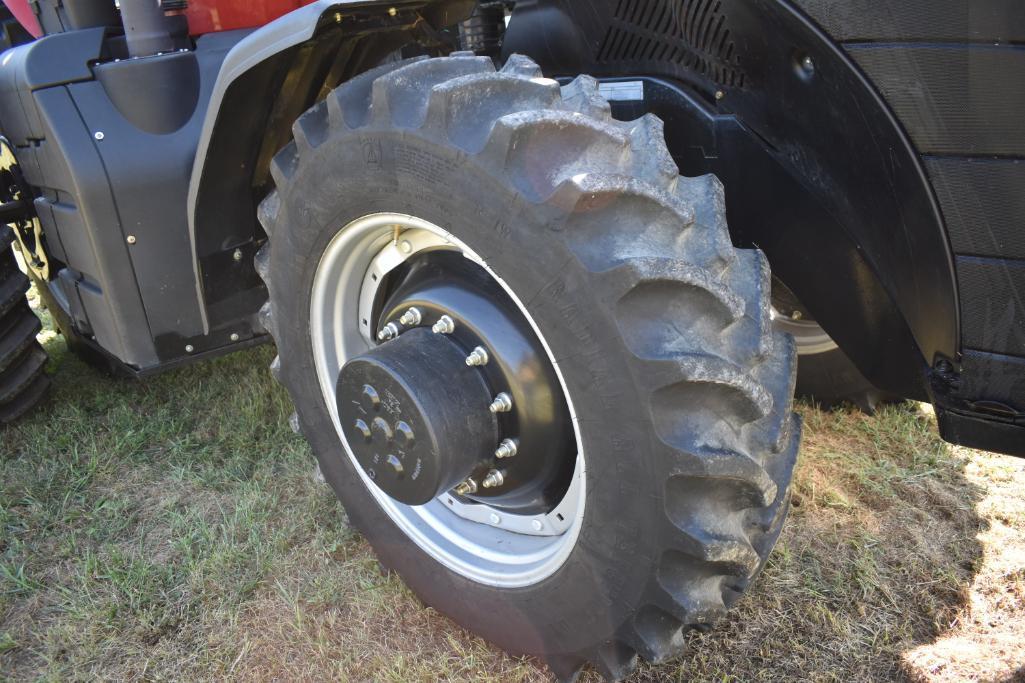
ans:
(172, 527)
(876, 559)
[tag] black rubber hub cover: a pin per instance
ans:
(416, 416)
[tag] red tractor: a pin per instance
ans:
(551, 386)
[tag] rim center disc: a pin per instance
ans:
(415, 416)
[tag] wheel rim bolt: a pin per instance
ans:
(389, 331)
(412, 317)
(467, 487)
(494, 479)
(445, 325)
(507, 449)
(501, 404)
(477, 357)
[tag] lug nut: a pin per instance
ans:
(494, 479)
(445, 325)
(411, 318)
(479, 356)
(507, 449)
(467, 487)
(389, 331)
(501, 404)
(394, 463)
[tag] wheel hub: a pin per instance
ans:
(370, 275)
(415, 415)
(458, 366)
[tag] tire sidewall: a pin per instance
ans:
(355, 174)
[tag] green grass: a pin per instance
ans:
(175, 529)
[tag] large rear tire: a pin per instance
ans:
(658, 329)
(23, 379)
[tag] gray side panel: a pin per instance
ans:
(151, 196)
(115, 311)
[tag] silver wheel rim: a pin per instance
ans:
(809, 337)
(483, 544)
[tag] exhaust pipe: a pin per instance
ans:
(146, 28)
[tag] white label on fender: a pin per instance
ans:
(623, 91)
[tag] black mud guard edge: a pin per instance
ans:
(266, 81)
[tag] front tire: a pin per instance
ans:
(658, 329)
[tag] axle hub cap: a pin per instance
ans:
(412, 413)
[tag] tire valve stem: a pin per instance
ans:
(467, 488)
(445, 325)
(494, 479)
(412, 317)
(507, 449)
(389, 331)
(501, 404)
(477, 357)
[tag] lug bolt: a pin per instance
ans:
(389, 331)
(467, 487)
(445, 325)
(495, 478)
(501, 404)
(237, 255)
(479, 356)
(395, 464)
(537, 525)
(364, 429)
(411, 318)
(507, 449)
